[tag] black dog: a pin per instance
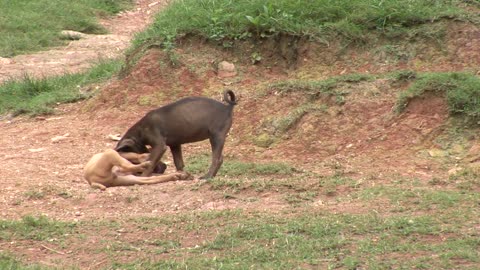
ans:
(190, 119)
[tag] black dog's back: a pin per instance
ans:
(191, 119)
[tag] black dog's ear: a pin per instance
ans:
(126, 145)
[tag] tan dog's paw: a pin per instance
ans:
(184, 176)
(145, 164)
(143, 157)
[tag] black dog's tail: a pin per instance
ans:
(229, 97)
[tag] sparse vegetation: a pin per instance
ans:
(199, 164)
(27, 26)
(321, 88)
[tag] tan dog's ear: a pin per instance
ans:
(125, 145)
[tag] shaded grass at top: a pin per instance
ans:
(27, 26)
(226, 19)
(38, 96)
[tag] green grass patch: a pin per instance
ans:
(27, 26)
(34, 228)
(462, 91)
(231, 20)
(38, 96)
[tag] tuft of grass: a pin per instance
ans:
(34, 228)
(462, 91)
(9, 262)
(352, 20)
(27, 26)
(38, 96)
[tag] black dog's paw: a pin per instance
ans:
(205, 177)
(160, 168)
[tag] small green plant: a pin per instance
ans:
(34, 194)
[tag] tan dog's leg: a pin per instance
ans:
(130, 180)
(115, 159)
(134, 157)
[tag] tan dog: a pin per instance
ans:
(100, 172)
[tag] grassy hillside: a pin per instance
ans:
(27, 26)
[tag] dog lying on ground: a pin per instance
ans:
(190, 119)
(113, 169)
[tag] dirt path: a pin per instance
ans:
(81, 54)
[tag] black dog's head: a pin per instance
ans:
(130, 145)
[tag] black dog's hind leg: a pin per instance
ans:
(217, 143)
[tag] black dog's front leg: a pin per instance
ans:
(177, 156)
(155, 155)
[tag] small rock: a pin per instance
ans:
(59, 138)
(6, 61)
(115, 137)
(226, 69)
(72, 35)
(454, 171)
(437, 153)
(35, 150)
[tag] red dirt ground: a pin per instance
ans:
(363, 137)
